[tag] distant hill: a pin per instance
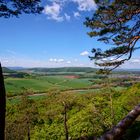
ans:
(62, 69)
(16, 68)
(12, 73)
(7, 70)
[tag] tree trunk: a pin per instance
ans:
(28, 132)
(117, 132)
(2, 105)
(65, 121)
(112, 110)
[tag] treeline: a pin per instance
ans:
(12, 73)
(62, 69)
(70, 115)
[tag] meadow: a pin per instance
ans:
(38, 102)
(15, 86)
(44, 84)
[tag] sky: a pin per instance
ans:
(55, 38)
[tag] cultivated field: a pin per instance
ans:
(81, 80)
(43, 84)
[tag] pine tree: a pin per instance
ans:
(117, 23)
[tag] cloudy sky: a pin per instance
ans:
(55, 38)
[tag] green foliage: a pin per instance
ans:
(87, 114)
(21, 117)
(92, 114)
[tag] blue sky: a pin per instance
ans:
(55, 38)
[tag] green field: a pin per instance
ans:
(40, 84)
(80, 80)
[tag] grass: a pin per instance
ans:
(44, 84)
(17, 86)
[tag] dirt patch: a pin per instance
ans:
(71, 76)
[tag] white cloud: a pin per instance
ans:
(67, 17)
(84, 53)
(11, 52)
(53, 11)
(51, 59)
(56, 60)
(75, 60)
(135, 60)
(25, 61)
(104, 59)
(60, 60)
(76, 14)
(86, 5)
(68, 62)
(4, 60)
